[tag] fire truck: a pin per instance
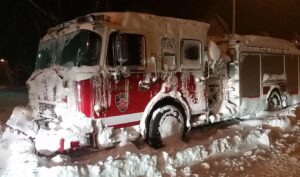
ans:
(158, 75)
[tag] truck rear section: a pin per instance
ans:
(266, 72)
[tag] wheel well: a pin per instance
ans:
(274, 90)
(165, 101)
(271, 105)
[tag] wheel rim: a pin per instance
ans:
(166, 127)
(274, 102)
(171, 125)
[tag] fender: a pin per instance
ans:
(272, 88)
(158, 97)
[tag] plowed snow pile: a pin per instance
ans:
(225, 149)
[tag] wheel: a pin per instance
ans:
(274, 101)
(166, 125)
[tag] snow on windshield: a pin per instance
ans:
(73, 49)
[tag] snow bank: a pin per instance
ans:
(16, 147)
(3, 151)
(17, 154)
(130, 165)
(278, 122)
(18, 151)
(22, 160)
(251, 106)
(22, 119)
(18, 158)
(72, 128)
(236, 143)
(60, 159)
(281, 121)
(251, 123)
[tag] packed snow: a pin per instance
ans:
(225, 149)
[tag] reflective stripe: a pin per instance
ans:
(122, 119)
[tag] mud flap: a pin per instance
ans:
(61, 145)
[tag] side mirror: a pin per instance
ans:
(214, 51)
(121, 71)
(120, 46)
(116, 76)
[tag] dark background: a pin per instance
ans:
(24, 22)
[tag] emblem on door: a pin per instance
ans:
(122, 101)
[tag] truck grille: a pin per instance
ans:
(46, 110)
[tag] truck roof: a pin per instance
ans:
(254, 43)
(138, 22)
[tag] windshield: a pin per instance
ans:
(73, 49)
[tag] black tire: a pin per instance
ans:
(274, 101)
(163, 121)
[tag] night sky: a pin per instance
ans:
(24, 22)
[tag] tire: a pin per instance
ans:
(274, 101)
(167, 123)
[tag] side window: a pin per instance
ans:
(133, 48)
(190, 54)
(168, 52)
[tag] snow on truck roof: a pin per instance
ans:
(134, 19)
(137, 22)
(260, 42)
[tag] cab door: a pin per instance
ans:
(126, 62)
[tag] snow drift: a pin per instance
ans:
(18, 152)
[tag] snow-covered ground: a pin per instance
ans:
(265, 146)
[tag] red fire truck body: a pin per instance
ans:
(125, 69)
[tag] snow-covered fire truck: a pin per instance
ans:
(108, 72)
